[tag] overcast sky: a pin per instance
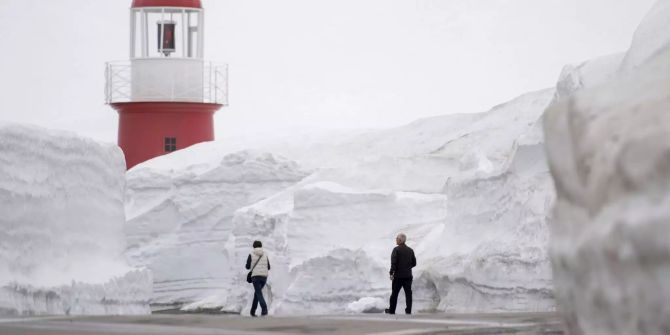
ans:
(313, 63)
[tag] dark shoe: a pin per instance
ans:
(408, 312)
(388, 311)
(264, 313)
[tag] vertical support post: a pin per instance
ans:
(144, 32)
(201, 34)
(162, 28)
(184, 30)
(132, 33)
(190, 35)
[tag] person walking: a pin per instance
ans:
(402, 262)
(259, 266)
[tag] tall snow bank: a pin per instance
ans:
(608, 148)
(61, 228)
(472, 192)
(180, 215)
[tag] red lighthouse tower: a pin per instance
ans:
(166, 94)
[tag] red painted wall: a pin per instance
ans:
(143, 127)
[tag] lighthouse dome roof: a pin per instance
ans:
(167, 3)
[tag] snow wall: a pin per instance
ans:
(471, 191)
(608, 143)
(61, 228)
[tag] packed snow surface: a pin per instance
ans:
(61, 228)
(609, 151)
(471, 191)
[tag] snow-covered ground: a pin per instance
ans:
(609, 147)
(61, 228)
(472, 192)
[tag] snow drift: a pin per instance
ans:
(609, 147)
(61, 228)
(472, 192)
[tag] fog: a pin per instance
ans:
(313, 64)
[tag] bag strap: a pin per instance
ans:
(258, 260)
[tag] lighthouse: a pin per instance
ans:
(166, 94)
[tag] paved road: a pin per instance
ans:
(378, 324)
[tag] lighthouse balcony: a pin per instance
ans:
(166, 80)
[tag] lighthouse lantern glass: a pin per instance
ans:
(166, 32)
(166, 37)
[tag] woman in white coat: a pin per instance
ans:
(259, 264)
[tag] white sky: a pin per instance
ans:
(313, 63)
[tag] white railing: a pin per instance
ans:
(164, 79)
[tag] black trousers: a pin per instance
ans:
(405, 284)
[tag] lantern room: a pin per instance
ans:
(166, 32)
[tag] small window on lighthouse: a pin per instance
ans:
(170, 144)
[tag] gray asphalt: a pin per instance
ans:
(378, 324)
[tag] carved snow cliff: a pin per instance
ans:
(179, 222)
(609, 151)
(61, 228)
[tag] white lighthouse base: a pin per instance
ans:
(167, 79)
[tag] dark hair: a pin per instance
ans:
(258, 244)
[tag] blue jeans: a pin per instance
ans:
(259, 283)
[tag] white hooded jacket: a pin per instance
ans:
(263, 266)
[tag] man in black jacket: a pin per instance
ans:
(402, 262)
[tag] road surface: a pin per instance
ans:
(197, 324)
